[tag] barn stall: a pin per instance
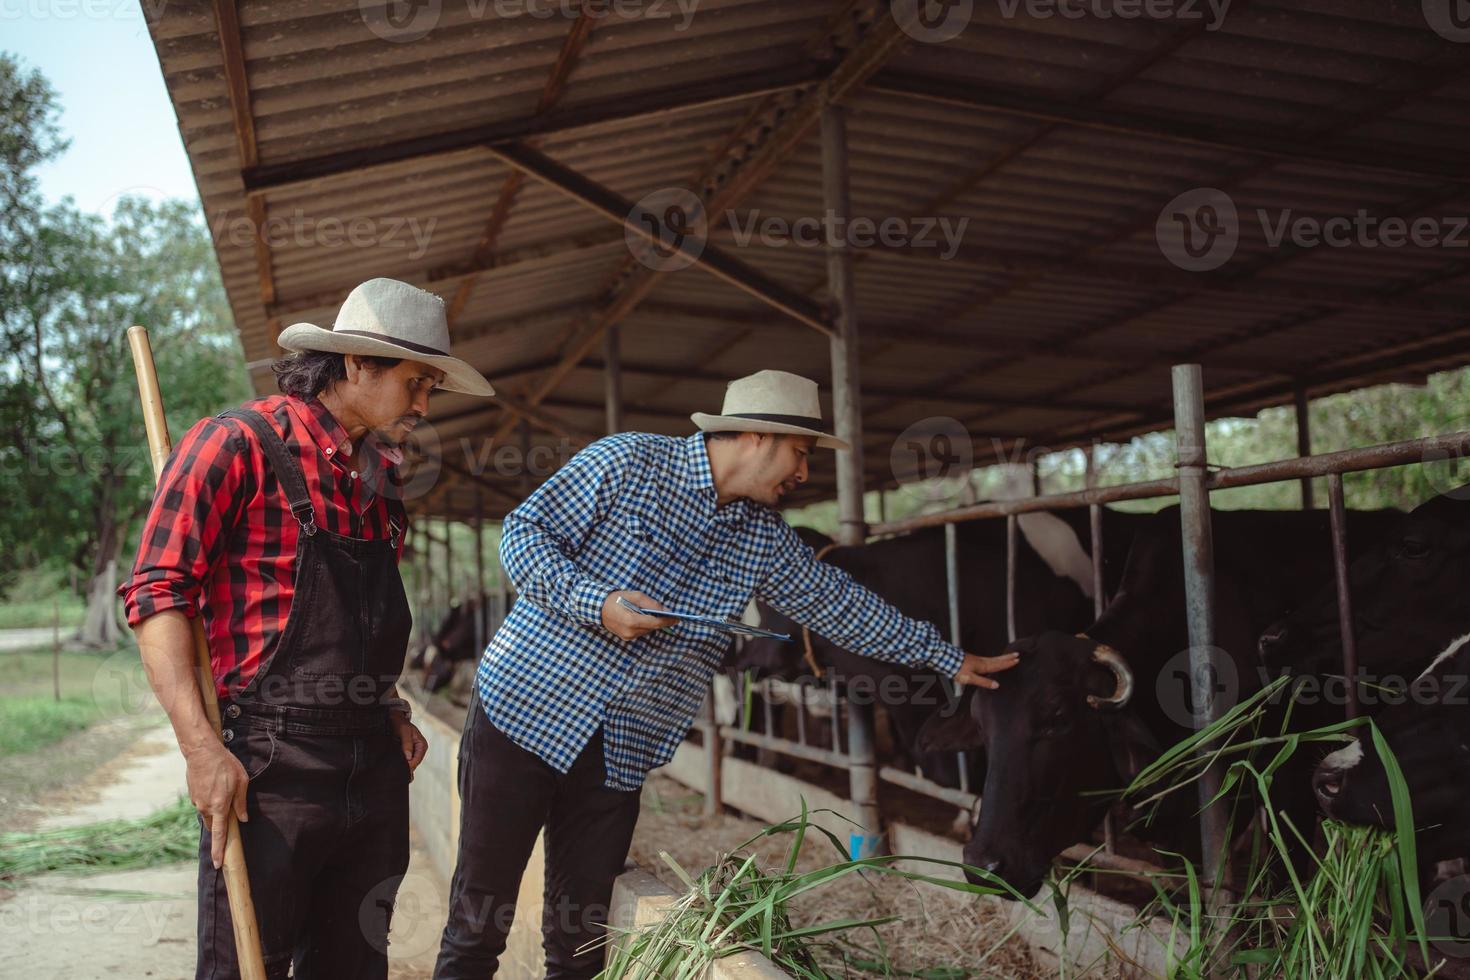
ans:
(521, 160)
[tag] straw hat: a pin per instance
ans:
(388, 318)
(771, 401)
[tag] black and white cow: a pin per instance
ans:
(1079, 716)
(1428, 731)
(1408, 598)
(1053, 588)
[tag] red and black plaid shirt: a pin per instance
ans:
(220, 525)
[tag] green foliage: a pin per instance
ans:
(169, 834)
(28, 723)
(74, 468)
(1357, 912)
(737, 905)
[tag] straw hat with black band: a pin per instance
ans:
(771, 401)
(388, 318)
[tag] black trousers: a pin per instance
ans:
(325, 846)
(506, 796)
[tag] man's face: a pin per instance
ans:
(777, 466)
(394, 400)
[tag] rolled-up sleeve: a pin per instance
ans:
(185, 534)
(543, 536)
(829, 601)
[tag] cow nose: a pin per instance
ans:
(1327, 784)
(1273, 640)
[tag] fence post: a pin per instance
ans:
(1337, 511)
(1199, 592)
(862, 772)
(714, 796)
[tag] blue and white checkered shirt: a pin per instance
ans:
(637, 511)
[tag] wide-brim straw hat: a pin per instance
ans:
(388, 318)
(771, 401)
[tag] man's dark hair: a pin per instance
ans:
(307, 373)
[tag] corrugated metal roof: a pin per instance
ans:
(359, 133)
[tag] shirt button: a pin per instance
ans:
(233, 711)
(329, 450)
(354, 474)
(228, 735)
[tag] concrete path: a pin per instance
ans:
(26, 639)
(142, 923)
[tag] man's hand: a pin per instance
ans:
(217, 784)
(974, 668)
(626, 624)
(415, 746)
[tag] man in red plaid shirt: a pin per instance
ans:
(281, 522)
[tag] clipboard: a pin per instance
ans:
(713, 622)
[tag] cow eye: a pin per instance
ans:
(1414, 548)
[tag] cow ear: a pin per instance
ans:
(953, 729)
(1132, 745)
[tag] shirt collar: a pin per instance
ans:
(699, 477)
(696, 464)
(330, 435)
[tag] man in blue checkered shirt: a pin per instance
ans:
(577, 697)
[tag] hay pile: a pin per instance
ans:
(939, 929)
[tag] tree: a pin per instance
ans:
(74, 284)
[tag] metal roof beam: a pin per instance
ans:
(614, 207)
(738, 168)
(624, 109)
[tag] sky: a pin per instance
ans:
(114, 108)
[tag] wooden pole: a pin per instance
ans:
(56, 648)
(237, 880)
(482, 611)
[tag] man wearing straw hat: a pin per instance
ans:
(578, 696)
(282, 520)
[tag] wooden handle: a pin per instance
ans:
(237, 881)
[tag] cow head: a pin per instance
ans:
(1429, 734)
(1058, 729)
(1407, 594)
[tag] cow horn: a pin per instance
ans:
(1113, 660)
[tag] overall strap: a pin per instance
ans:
(287, 470)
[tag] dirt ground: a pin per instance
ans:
(142, 923)
(938, 929)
